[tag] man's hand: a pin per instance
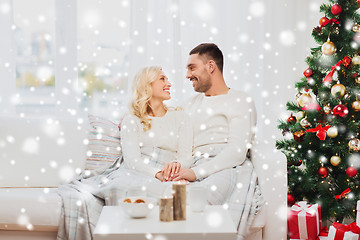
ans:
(170, 169)
(185, 174)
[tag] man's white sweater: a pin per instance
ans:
(223, 126)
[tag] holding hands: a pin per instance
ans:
(168, 172)
(173, 172)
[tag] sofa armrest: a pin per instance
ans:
(270, 166)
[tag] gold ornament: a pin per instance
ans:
(356, 60)
(304, 99)
(328, 48)
(332, 132)
(327, 109)
(354, 144)
(356, 28)
(356, 105)
(335, 160)
(299, 135)
(338, 88)
(299, 115)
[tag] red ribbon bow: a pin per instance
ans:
(323, 232)
(353, 227)
(327, 21)
(341, 227)
(343, 194)
(329, 76)
(320, 131)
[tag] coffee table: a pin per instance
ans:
(213, 224)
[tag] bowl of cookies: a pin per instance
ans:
(137, 207)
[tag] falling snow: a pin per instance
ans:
(110, 48)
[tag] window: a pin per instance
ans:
(103, 42)
(34, 46)
(102, 33)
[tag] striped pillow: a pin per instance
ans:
(104, 143)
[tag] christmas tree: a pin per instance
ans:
(321, 135)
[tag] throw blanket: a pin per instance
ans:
(84, 197)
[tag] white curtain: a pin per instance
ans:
(7, 60)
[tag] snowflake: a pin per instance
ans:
(214, 219)
(287, 37)
(30, 145)
(257, 9)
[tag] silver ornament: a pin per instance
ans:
(354, 144)
(304, 123)
(356, 28)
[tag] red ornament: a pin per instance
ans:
(308, 72)
(358, 1)
(336, 9)
(323, 21)
(323, 172)
(312, 107)
(290, 200)
(340, 110)
(346, 61)
(291, 119)
(351, 171)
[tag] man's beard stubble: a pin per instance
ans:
(202, 85)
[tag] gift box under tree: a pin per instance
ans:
(344, 232)
(304, 221)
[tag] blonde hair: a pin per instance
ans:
(142, 93)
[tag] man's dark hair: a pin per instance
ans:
(211, 52)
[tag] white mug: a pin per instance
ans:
(197, 198)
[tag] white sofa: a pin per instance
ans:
(37, 155)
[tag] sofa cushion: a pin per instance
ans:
(35, 209)
(103, 143)
(40, 152)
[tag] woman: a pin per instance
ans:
(156, 140)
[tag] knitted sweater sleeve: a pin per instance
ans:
(185, 144)
(241, 127)
(130, 144)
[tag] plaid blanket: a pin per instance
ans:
(84, 197)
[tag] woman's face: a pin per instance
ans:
(161, 87)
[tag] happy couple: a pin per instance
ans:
(202, 143)
(211, 134)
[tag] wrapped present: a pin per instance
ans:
(304, 221)
(339, 231)
(358, 213)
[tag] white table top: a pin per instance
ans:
(214, 223)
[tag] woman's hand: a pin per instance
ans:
(160, 175)
(170, 169)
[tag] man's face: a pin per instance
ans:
(198, 74)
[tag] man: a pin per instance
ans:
(223, 118)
